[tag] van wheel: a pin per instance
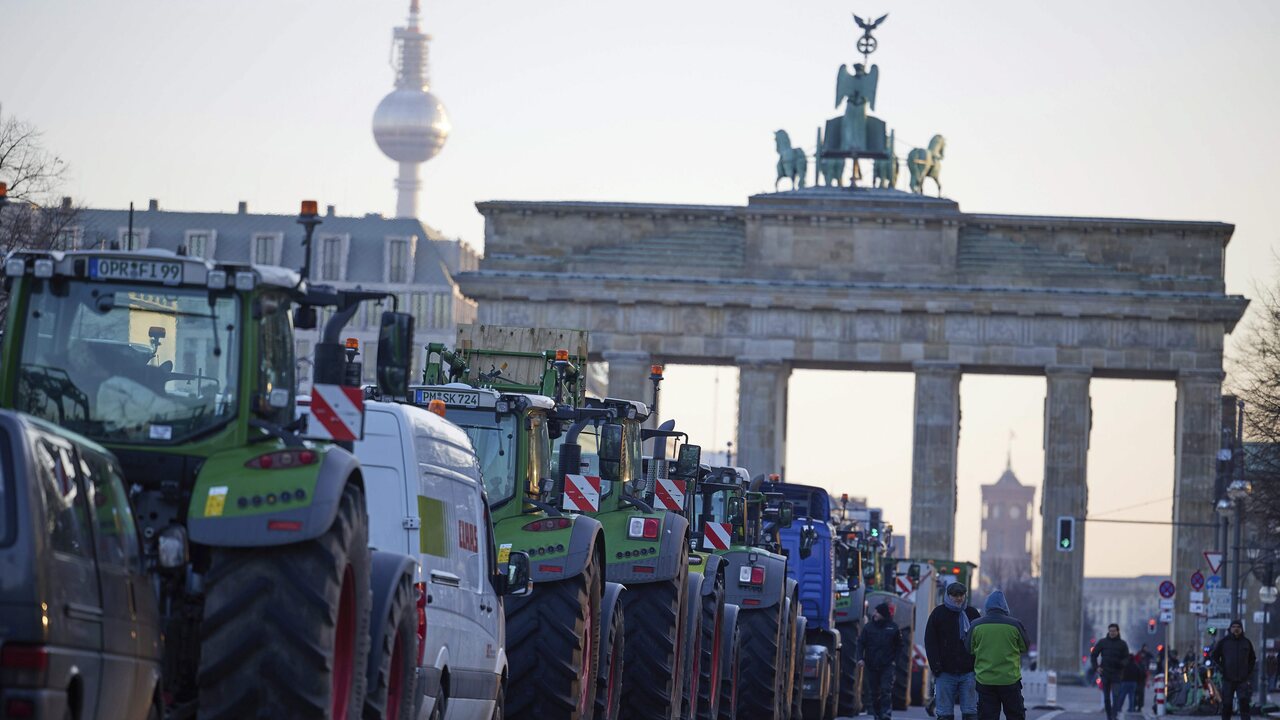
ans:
(710, 667)
(553, 647)
(391, 696)
(654, 628)
(761, 659)
(286, 628)
(500, 703)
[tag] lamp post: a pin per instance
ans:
(1237, 491)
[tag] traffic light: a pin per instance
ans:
(1151, 626)
(1213, 630)
(1066, 533)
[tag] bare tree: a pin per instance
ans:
(1256, 374)
(33, 217)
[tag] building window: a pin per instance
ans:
(995, 512)
(266, 249)
(441, 311)
(1014, 511)
(986, 510)
(199, 243)
(331, 258)
(370, 359)
(136, 240)
(398, 260)
(421, 310)
(70, 238)
(1028, 541)
(984, 541)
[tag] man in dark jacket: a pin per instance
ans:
(1235, 660)
(998, 641)
(949, 660)
(878, 648)
(1109, 657)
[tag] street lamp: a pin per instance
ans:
(1237, 492)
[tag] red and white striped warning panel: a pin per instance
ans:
(717, 535)
(337, 413)
(670, 494)
(904, 586)
(920, 657)
(581, 493)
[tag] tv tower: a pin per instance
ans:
(410, 124)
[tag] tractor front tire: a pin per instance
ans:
(553, 647)
(761, 659)
(654, 628)
(286, 628)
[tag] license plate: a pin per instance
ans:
(457, 398)
(155, 271)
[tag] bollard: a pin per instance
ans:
(1158, 687)
(1051, 688)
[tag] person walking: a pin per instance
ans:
(997, 643)
(1109, 657)
(1143, 659)
(949, 659)
(1129, 680)
(1234, 657)
(878, 648)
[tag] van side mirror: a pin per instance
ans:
(395, 354)
(517, 581)
(688, 462)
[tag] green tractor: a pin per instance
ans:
(563, 638)
(272, 602)
(733, 524)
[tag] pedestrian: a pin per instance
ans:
(1143, 659)
(1129, 685)
(1109, 657)
(998, 642)
(1233, 656)
(949, 659)
(878, 648)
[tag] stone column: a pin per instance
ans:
(1197, 425)
(762, 415)
(933, 460)
(629, 375)
(1067, 419)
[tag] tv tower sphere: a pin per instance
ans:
(410, 125)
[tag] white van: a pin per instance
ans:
(426, 497)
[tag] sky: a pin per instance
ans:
(1148, 108)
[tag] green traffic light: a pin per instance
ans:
(1065, 542)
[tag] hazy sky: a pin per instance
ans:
(1153, 109)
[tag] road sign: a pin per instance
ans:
(1167, 589)
(1196, 608)
(1213, 581)
(1166, 603)
(1197, 596)
(1221, 623)
(1166, 616)
(1197, 580)
(1267, 594)
(1219, 601)
(1215, 561)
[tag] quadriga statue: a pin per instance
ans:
(791, 161)
(927, 163)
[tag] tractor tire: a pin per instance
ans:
(286, 628)
(850, 677)
(391, 696)
(612, 666)
(730, 649)
(692, 684)
(553, 647)
(655, 622)
(761, 660)
(811, 710)
(902, 673)
(797, 665)
(833, 690)
(711, 665)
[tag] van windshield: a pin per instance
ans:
(495, 444)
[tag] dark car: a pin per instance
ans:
(79, 629)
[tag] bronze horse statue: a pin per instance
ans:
(927, 163)
(791, 161)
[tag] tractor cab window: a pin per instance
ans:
(274, 398)
(129, 363)
(539, 452)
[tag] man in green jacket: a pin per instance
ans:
(998, 642)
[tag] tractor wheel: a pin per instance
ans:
(710, 667)
(654, 647)
(797, 664)
(730, 650)
(811, 710)
(692, 651)
(553, 647)
(833, 690)
(612, 666)
(286, 628)
(850, 677)
(761, 659)
(392, 694)
(902, 673)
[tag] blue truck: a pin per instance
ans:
(809, 546)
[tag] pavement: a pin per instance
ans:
(1076, 703)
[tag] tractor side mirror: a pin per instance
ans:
(808, 536)
(610, 443)
(304, 318)
(395, 353)
(156, 332)
(688, 462)
(734, 510)
(516, 582)
(570, 459)
(787, 514)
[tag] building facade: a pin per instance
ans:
(404, 257)
(1127, 602)
(1007, 512)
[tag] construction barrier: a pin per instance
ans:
(1158, 688)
